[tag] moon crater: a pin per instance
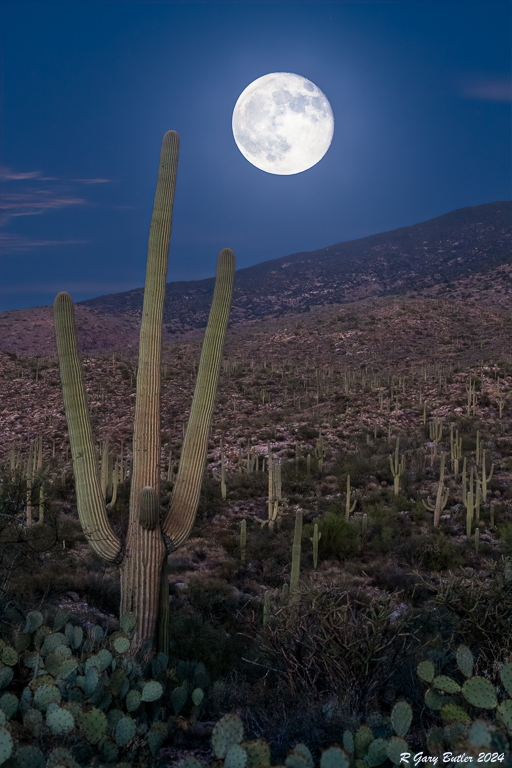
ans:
(283, 123)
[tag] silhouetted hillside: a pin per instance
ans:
(462, 255)
(416, 258)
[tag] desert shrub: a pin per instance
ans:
(340, 539)
(308, 431)
(329, 639)
(387, 574)
(247, 486)
(194, 639)
(505, 535)
(435, 552)
(213, 599)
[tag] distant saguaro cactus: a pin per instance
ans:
(142, 557)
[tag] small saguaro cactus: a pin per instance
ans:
(243, 539)
(456, 451)
(222, 472)
(315, 538)
(349, 508)
(486, 478)
(397, 467)
(296, 550)
(441, 498)
(151, 536)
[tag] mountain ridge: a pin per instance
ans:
(344, 272)
(461, 254)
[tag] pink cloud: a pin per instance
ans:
(7, 174)
(12, 243)
(33, 203)
(488, 89)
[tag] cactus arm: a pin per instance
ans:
(90, 499)
(182, 511)
(296, 550)
(146, 430)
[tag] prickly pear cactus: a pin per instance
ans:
(93, 724)
(299, 757)
(152, 691)
(60, 721)
(5, 744)
(258, 753)
(156, 737)
(30, 757)
(460, 732)
(480, 693)
(9, 704)
(334, 757)
(226, 733)
(125, 730)
(236, 757)
(34, 621)
(46, 694)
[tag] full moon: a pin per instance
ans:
(283, 123)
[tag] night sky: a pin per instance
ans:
(420, 92)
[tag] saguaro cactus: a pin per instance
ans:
(142, 557)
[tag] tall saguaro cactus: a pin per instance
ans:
(142, 557)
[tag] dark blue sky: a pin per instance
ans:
(420, 92)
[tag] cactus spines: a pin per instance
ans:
(452, 713)
(148, 509)
(446, 684)
(142, 555)
(480, 693)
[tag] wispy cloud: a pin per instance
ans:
(33, 202)
(29, 193)
(11, 243)
(488, 89)
(7, 174)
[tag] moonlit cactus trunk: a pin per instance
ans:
(142, 557)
